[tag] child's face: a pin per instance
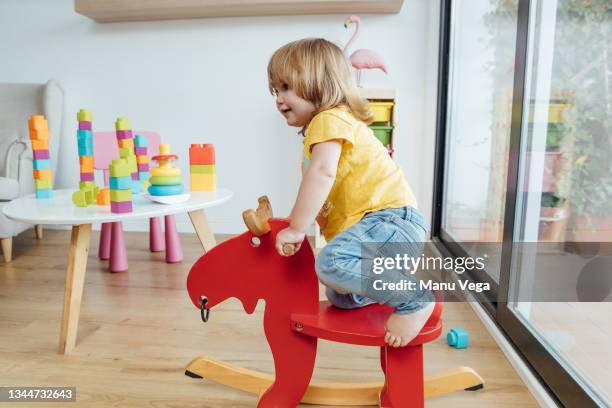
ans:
(297, 111)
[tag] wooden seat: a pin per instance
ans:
(364, 326)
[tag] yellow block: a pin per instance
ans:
(381, 111)
(126, 143)
(165, 172)
(203, 182)
(142, 159)
(164, 149)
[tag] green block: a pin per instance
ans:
(202, 169)
(86, 185)
(165, 181)
(119, 168)
(132, 164)
(84, 116)
(85, 198)
(125, 152)
(122, 124)
(121, 195)
(43, 184)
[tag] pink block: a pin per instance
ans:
(123, 134)
(156, 236)
(87, 177)
(134, 176)
(118, 256)
(84, 125)
(140, 151)
(119, 207)
(41, 154)
(174, 253)
(143, 167)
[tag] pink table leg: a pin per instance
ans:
(105, 241)
(174, 253)
(118, 257)
(156, 237)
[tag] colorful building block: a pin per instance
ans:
(458, 338)
(142, 159)
(84, 185)
(86, 160)
(41, 164)
(84, 125)
(202, 154)
(202, 169)
(38, 122)
(120, 207)
(103, 197)
(141, 141)
(43, 184)
(120, 183)
(126, 143)
(46, 193)
(119, 168)
(84, 115)
(143, 167)
(88, 177)
(41, 154)
(122, 124)
(42, 174)
(202, 182)
(39, 134)
(40, 144)
(121, 195)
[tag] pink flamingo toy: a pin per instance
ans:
(362, 58)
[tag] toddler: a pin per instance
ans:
(350, 185)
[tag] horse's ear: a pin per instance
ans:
(257, 221)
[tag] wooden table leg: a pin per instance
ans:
(75, 279)
(202, 229)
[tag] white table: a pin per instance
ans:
(60, 210)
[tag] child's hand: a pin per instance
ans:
(289, 236)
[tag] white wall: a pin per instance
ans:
(204, 81)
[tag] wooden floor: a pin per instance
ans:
(138, 330)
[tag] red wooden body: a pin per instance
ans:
(294, 319)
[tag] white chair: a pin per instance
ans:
(17, 103)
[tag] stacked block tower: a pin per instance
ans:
(87, 185)
(125, 141)
(39, 136)
(202, 174)
(165, 179)
(142, 159)
(120, 183)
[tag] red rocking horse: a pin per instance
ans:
(249, 268)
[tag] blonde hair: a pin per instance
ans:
(318, 71)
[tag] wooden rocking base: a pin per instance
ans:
(328, 393)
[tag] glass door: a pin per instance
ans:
(560, 282)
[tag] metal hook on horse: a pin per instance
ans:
(204, 311)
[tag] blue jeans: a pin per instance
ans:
(339, 265)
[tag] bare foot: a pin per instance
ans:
(403, 328)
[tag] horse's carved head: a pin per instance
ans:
(249, 268)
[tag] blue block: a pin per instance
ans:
(458, 338)
(86, 151)
(166, 190)
(120, 183)
(85, 134)
(140, 141)
(144, 175)
(85, 143)
(136, 187)
(42, 164)
(46, 193)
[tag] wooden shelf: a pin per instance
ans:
(108, 11)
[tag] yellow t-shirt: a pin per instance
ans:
(367, 179)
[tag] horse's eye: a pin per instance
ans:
(255, 242)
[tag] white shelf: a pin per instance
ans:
(109, 11)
